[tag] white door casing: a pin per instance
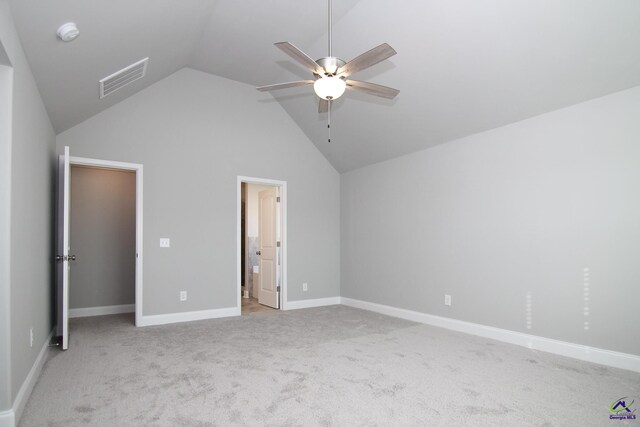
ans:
(268, 247)
(279, 245)
(282, 222)
(138, 169)
(62, 247)
(63, 254)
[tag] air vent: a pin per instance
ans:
(121, 78)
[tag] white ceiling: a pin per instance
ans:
(462, 66)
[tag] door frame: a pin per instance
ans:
(283, 238)
(137, 168)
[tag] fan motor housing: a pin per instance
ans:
(330, 64)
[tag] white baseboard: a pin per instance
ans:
(614, 359)
(7, 418)
(188, 316)
(11, 417)
(101, 311)
(309, 303)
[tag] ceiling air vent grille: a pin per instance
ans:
(121, 78)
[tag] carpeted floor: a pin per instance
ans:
(330, 366)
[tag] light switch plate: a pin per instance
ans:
(165, 242)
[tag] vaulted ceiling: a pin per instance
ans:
(462, 66)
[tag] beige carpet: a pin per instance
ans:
(251, 305)
(331, 366)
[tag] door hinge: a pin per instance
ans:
(278, 289)
(277, 244)
(278, 199)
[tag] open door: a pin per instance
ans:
(62, 248)
(268, 248)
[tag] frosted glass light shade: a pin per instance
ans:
(329, 87)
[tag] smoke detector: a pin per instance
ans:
(68, 32)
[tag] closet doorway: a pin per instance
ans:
(261, 244)
(66, 259)
(103, 238)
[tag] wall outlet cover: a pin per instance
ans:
(165, 242)
(183, 295)
(447, 300)
(305, 286)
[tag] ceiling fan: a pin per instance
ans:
(330, 74)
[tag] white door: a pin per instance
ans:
(62, 247)
(268, 248)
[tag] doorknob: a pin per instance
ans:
(59, 258)
(258, 253)
(72, 257)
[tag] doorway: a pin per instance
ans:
(65, 258)
(261, 245)
(103, 238)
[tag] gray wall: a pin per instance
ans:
(32, 160)
(518, 210)
(6, 82)
(195, 133)
(103, 224)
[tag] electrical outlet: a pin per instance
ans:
(31, 337)
(183, 295)
(447, 299)
(165, 242)
(305, 286)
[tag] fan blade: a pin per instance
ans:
(284, 85)
(367, 59)
(373, 89)
(323, 106)
(300, 56)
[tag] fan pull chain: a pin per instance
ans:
(329, 118)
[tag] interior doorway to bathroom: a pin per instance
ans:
(261, 245)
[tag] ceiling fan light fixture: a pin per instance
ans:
(331, 73)
(329, 88)
(330, 65)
